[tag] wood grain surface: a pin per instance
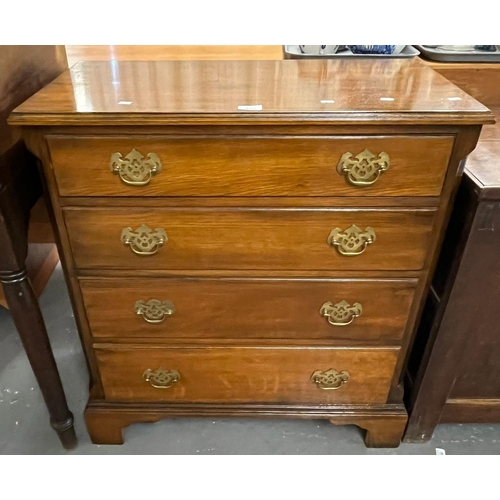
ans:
(251, 374)
(480, 80)
(483, 164)
(384, 423)
(212, 92)
(246, 239)
(78, 53)
(247, 308)
(250, 166)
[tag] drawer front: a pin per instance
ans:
(252, 308)
(252, 374)
(250, 166)
(227, 239)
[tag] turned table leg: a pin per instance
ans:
(29, 322)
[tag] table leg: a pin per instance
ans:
(29, 322)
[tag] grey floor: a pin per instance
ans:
(25, 429)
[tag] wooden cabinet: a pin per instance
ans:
(454, 370)
(231, 261)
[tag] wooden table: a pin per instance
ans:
(250, 238)
(480, 80)
(23, 71)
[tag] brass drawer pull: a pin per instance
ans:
(134, 169)
(352, 241)
(154, 311)
(365, 168)
(342, 313)
(161, 378)
(144, 241)
(330, 380)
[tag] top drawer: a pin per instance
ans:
(250, 165)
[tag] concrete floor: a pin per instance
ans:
(25, 429)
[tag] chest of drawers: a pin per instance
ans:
(249, 238)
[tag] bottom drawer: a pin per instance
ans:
(322, 375)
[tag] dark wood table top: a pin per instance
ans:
(177, 92)
(23, 70)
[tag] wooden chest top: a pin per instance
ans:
(250, 92)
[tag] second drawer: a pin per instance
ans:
(247, 308)
(253, 239)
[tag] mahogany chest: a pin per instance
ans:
(249, 238)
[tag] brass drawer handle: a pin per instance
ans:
(154, 311)
(144, 241)
(330, 380)
(161, 378)
(352, 241)
(342, 313)
(365, 168)
(134, 169)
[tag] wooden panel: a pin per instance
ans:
(363, 91)
(249, 238)
(483, 166)
(458, 339)
(236, 374)
(474, 305)
(471, 411)
(171, 52)
(255, 202)
(250, 166)
(239, 308)
(480, 80)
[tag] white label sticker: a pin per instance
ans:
(127, 103)
(327, 101)
(253, 107)
(440, 451)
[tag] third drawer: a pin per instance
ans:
(207, 308)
